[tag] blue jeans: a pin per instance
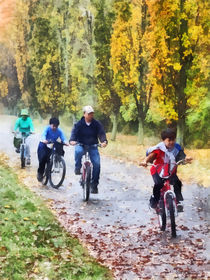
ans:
(94, 157)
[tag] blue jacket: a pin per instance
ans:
(88, 134)
(53, 135)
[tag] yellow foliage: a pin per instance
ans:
(125, 45)
(3, 87)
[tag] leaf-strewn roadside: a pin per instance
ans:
(32, 243)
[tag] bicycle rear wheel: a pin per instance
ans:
(22, 157)
(57, 171)
(170, 201)
(161, 215)
(86, 183)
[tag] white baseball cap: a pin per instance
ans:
(88, 109)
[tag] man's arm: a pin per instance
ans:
(74, 133)
(102, 134)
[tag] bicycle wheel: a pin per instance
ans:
(57, 171)
(46, 174)
(22, 157)
(161, 215)
(170, 202)
(86, 185)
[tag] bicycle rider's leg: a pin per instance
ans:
(28, 155)
(79, 152)
(174, 180)
(156, 190)
(95, 159)
(43, 154)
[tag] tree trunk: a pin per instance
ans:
(185, 62)
(180, 131)
(141, 132)
(114, 126)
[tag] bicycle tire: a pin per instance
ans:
(162, 215)
(170, 202)
(22, 157)
(86, 186)
(46, 174)
(57, 160)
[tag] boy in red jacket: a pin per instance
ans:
(164, 156)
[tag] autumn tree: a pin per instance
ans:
(109, 100)
(9, 87)
(129, 60)
(20, 33)
(178, 46)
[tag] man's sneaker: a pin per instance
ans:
(152, 202)
(39, 176)
(77, 171)
(180, 207)
(17, 150)
(94, 188)
(81, 182)
(28, 161)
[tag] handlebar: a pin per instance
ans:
(23, 134)
(93, 145)
(53, 142)
(182, 161)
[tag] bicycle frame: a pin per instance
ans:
(23, 144)
(86, 163)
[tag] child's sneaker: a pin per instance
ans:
(180, 207)
(152, 202)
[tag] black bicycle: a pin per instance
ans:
(24, 149)
(55, 169)
(87, 169)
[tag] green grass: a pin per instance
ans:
(32, 243)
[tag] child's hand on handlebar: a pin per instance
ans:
(188, 159)
(143, 163)
(45, 141)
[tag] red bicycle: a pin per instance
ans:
(167, 205)
(87, 168)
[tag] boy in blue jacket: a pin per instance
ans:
(50, 134)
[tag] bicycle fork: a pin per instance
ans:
(171, 194)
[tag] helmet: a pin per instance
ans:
(24, 112)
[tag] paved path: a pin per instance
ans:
(117, 226)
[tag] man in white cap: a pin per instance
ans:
(87, 131)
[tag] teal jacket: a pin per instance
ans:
(24, 125)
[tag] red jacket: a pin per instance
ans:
(165, 160)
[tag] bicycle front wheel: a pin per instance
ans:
(22, 157)
(170, 201)
(162, 215)
(86, 184)
(57, 171)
